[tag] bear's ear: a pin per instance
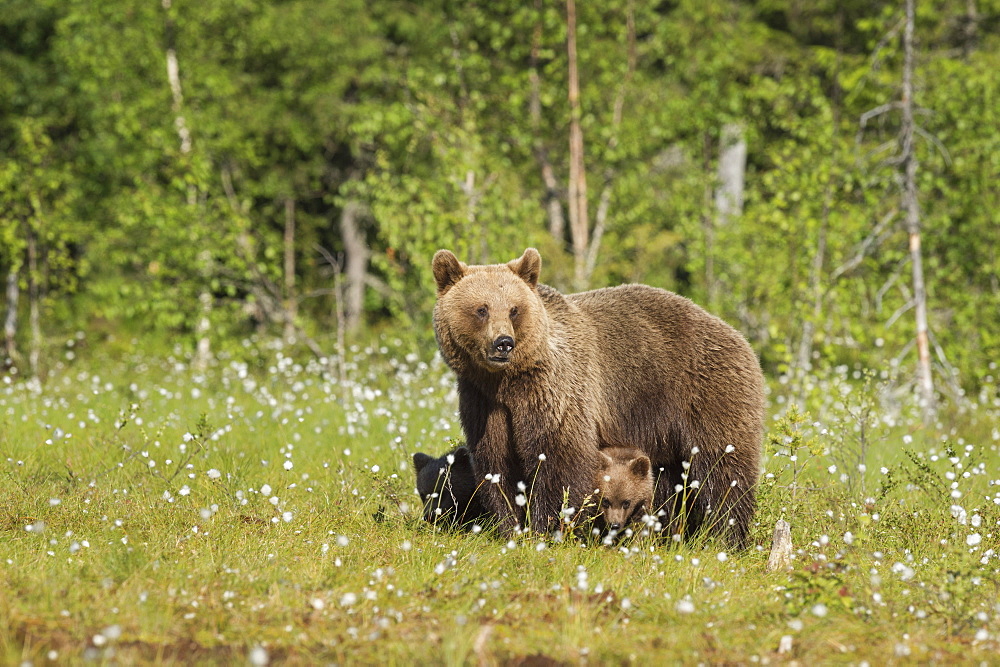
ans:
(607, 460)
(527, 266)
(447, 270)
(462, 454)
(420, 460)
(640, 466)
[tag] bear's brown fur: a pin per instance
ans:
(623, 488)
(544, 379)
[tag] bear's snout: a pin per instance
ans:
(501, 348)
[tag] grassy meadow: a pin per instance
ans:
(264, 511)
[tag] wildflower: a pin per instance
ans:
(973, 539)
(287, 464)
(685, 607)
(258, 656)
(214, 474)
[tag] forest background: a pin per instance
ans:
(200, 172)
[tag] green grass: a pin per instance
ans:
(154, 536)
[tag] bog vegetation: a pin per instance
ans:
(265, 510)
(216, 225)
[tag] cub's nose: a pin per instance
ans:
(502, 346)
(615, 526)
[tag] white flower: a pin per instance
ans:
(520, 500)
(973, 539)
(832, 469)
(685, 606)
(541, 457)
(265, 490)
(287, 464)
(214, 474)
(819, 610)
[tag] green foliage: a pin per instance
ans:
(435, 118)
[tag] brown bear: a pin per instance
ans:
(447, 486)
(624, 487)
(544, 379)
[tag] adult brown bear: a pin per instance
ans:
(545, 379)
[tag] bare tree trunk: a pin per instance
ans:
(204, 324)
(604, 202)
(728, 196)
(291, 302)
(10, 320)
(34, 322)
(356, 254)
(911, 206)
(971, 28)
(578, 218)
(557, 224)
(732, 169)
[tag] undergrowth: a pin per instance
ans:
(265, 512)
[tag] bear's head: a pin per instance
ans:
(489, 317)
(447, 486)
(624, 486)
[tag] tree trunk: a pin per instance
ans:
(10, 320)
(203, 327)
(557, 224)
(728, 197)
(291, 302)
(604, 201)
(578, 218)
(355, 265)
(34, 316)
(911, 206)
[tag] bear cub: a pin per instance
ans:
(623, 488)
(447, 487)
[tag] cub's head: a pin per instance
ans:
(489, 317)
(624, 486)
(447, 486)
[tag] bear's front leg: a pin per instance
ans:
(560, 482)
(498, 489)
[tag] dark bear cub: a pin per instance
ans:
(447, 487)
(623, 488)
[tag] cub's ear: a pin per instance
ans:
(527, 266)
(420, 460)
(447, 270)
(463, 454)
(606, 460)
(640, 466)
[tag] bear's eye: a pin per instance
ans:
(625, 504)
(513, 312)
(606, 504)
(482, 311)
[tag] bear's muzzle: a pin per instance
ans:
(501, 349)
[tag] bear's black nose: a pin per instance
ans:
(615, 526)
(502, 346)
